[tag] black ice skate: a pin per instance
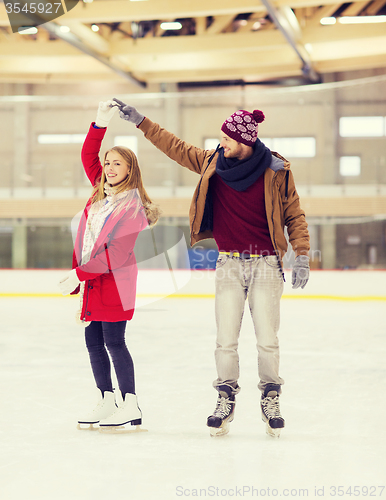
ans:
(222, 415)
(270, 412)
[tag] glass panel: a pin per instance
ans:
(362, 126)
(350, 165)
(61, 138)
(128, 141)
(292, 147)
(211, 143)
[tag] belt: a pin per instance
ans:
(243, 255)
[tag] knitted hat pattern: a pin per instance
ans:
(242, 126)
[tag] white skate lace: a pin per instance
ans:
(223, 408)
(271, 407)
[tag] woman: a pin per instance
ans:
(105, 271)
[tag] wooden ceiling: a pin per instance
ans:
(220, 41)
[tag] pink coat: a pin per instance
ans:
(110, 276)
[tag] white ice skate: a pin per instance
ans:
(104, 408)
(126, 418)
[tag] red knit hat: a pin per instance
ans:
(242, 126)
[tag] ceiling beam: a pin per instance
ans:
(375, 7)
(91, 72)
(74, 41)
(296, 4)
(199, 46)
(326, 11)
(286, 22)
(219, 24)
(354, 9)
(200, 25)
(328, 54)
(83, 39)
(343, 32)
(86, 35)
(72, 70)
(211, 54)
(223, 42)
(111, 11)
(255, 74)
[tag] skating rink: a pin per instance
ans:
(333, 351)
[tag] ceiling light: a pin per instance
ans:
(362, 19)
(28, 30)
(64, 29)
(94, 27)
(326, 21)
(171, 26)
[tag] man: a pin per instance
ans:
(245, 197)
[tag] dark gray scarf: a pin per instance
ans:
(240, 174)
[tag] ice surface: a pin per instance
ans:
(333, 401)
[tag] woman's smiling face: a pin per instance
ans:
(116, 169)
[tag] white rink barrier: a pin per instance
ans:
(156, 284)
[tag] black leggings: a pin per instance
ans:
(99, 336)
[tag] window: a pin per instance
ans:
(128, 141)
(61, 138)
(292, 147)
(211, 143)
(350, 166)
(362, 126)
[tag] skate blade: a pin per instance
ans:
(219, 431)
(275, 433)
(120, 429)
(90, 427)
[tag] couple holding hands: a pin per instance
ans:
(245, 198)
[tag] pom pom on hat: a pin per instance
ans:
(258, 116)
(242, 126)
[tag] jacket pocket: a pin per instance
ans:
(109, 292)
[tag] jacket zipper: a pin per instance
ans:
(108, 258)
(85, 301)
(286, 185)
(273, 232)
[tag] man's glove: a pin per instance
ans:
(69, 282)
(300, 271)
(129, 113)
(106, 111)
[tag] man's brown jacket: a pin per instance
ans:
(281, 199)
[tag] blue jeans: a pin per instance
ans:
(104, 338)
(260, 280)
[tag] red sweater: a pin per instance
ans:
(239, 218)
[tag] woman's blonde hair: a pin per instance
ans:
(132, 181)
